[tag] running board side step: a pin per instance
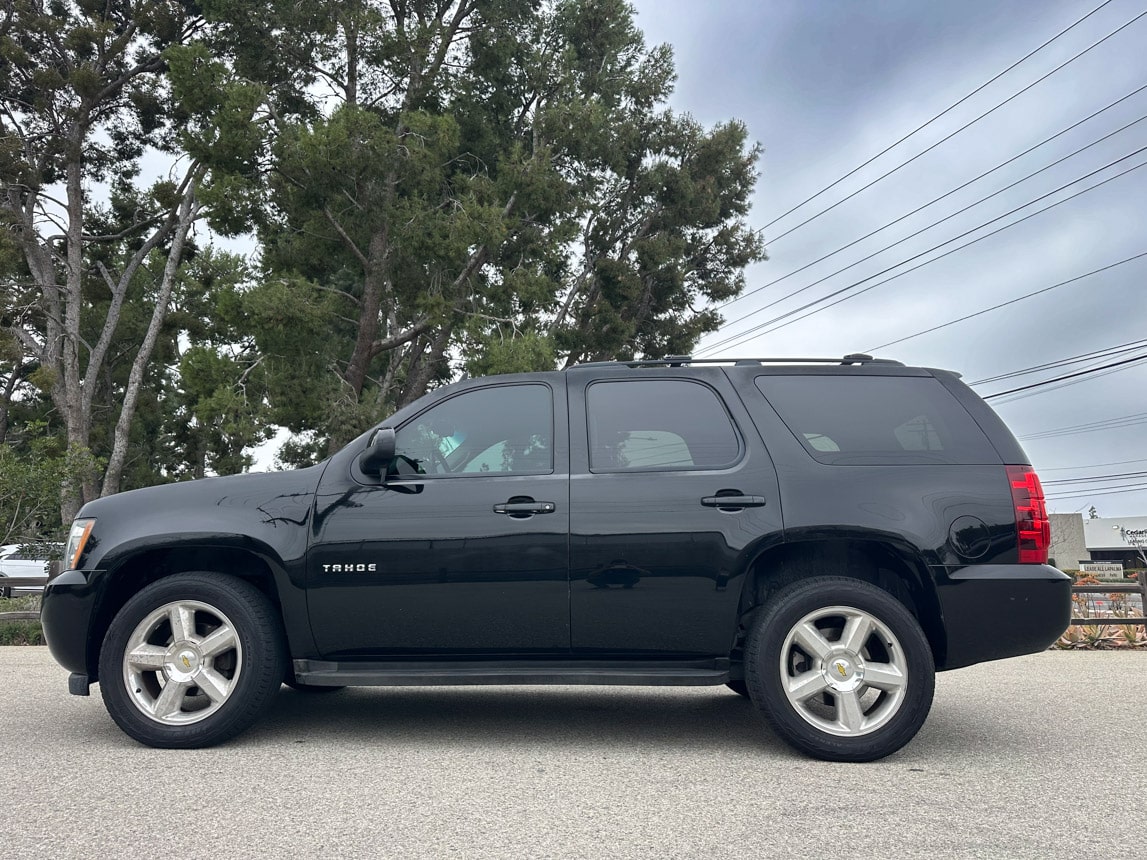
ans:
(323, 673)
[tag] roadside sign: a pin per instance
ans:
(1105, 570)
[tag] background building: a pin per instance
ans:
(1075, 538)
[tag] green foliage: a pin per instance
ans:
(489, 184)
(30, 489)
(530, 201)
(20, 632)
(522, 354)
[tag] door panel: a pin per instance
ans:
(655, 566)
(462, 560)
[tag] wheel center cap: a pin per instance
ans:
(844, 671)
(182, 662)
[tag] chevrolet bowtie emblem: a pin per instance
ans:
(840, 668)
(186, 662)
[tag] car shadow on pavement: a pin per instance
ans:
(709, 720)
(712, 720)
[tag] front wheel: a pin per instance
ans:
(840, 669)
(191, 660)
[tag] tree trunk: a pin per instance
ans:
(420, 376)
(373, 287)
(114, 473)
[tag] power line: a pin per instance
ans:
(1131, 484)
(1105, 424)
(935, 200)
(1093, 478)
(1073, 359)
(1005, 304)
(936, 223)
(960, 129)
(1137, 489)
(1094, 373)
(936, 117)
(1091, 465)
(742, 337)
(922, 253)
(1137, 358)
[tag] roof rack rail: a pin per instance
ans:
(681, 360)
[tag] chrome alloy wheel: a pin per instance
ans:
(182, 662)
(843, 671)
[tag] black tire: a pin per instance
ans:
(738, 687)
(247, 673)
(847, 718)
(5, 592)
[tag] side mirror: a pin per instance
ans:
(379, 453)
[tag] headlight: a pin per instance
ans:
(77, 540)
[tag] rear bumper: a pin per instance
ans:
(66, 614)
(992, 611)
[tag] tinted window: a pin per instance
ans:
(875, 420)
(658, 424)
(507, 430)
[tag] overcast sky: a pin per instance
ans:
(824, 85)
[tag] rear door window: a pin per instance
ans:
(877, 420)
(668, 424)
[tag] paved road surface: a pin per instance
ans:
(1010, 764)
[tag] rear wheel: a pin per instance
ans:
(191, 660)
(840, 669)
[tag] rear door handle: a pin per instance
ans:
(733, 502)
(520, 508)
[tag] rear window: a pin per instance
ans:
(877, 420)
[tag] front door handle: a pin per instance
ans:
(517, 508)
(733, 502)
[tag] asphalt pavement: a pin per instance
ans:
(1042, 756)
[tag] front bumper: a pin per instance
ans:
(992, 611)
(67, 611)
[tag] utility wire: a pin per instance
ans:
(1137, 358)
(937, 116)
(1106, 352)
(1091, 478)
(742, 337)
(935, 200)
(1107, 423)
(873, 349)
(1137, 489)
(1062, 385)
(1091, 466)
(960, 129)
(936, 223)
(752, 313)
(1113, 487)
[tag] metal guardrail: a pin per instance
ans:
(1113, 588)
(20, 582)
(54, 568)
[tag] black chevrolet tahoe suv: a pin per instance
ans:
(818, 535)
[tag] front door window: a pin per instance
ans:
(504, 431)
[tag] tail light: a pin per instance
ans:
(1032, 523)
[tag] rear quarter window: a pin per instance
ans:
(877, 420)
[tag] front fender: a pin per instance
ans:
(255, 527)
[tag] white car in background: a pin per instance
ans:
(24, 560)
